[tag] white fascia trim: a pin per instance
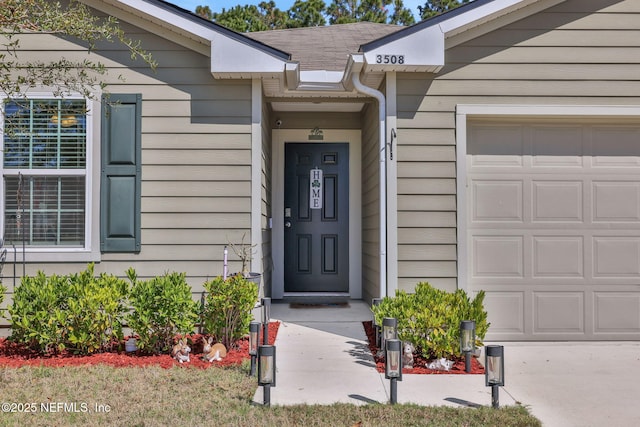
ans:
(465, 112)
(166, 16)
(228, 54)
(485, 12)
(422, 47)
(420, 51)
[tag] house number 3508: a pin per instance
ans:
(389, 59)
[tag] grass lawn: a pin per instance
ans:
(100, 395)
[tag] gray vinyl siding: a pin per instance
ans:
(370, 203)
(196, 159)
(585, 53)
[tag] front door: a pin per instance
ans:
(316, 217)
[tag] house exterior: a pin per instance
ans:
(495, 147)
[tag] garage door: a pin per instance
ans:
(553, 228)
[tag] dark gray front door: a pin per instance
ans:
(316, 240)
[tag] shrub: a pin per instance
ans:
(228, 305)
(3, 289)
(430, 318)
(162, 308)
(78, 312)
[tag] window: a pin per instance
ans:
(45, 172)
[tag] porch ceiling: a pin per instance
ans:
(316, 106)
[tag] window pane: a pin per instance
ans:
(45, 134)
(44, 211)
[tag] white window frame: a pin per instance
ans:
(90, 252)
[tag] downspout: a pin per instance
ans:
(382, 113)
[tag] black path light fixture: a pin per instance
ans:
(467, 341)
(376, 328)
(266, 371)
(393, 366)
(389, 330)
(494, 371)
(254, 332)
(266, 313)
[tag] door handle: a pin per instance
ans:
(287, 224)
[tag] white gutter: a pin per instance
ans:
(355, 79)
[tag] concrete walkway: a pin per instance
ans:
(323, 358)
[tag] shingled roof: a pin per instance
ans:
(324, 48)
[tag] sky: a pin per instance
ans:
(218, 5)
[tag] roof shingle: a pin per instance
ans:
(324, 48)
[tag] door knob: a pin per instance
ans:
(287, 224)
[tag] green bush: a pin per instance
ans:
(3, 289)
(162, 308)
(78, 312)
(228, 305)
(430, 318)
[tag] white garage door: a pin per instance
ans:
(554, 228)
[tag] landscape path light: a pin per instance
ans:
(266, 371)
(393, 366)
(389, 330)
(494, 371)
(376, 328)
(467, 341)
(266, 312)
(254, 331)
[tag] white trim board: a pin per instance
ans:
(466, 111)
(353, 138)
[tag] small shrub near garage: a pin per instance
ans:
(161, 308)
(78, 312)
(3, 290)
(228, 305)
(430, 318)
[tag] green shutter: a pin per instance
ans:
(121, 171)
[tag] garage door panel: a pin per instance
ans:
(616, 201)
(558, 312)
(505, 312)
(498, 256)
(616, 147)
(554, 236)
(558, 256)
(616, 256)
(497, 146)
(497, 200)
(557, 201)
(557, 146)
(617, 312)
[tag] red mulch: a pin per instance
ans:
(419, 362)
(15, 355)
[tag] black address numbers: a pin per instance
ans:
(389, 59)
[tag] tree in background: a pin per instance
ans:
(401, 15)
(437, 7)
(307, 13)
(243, 19)
(248, 18)
(205, 12)
(18, 17)
(347, 11)
(273, 18)
(311, 13)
